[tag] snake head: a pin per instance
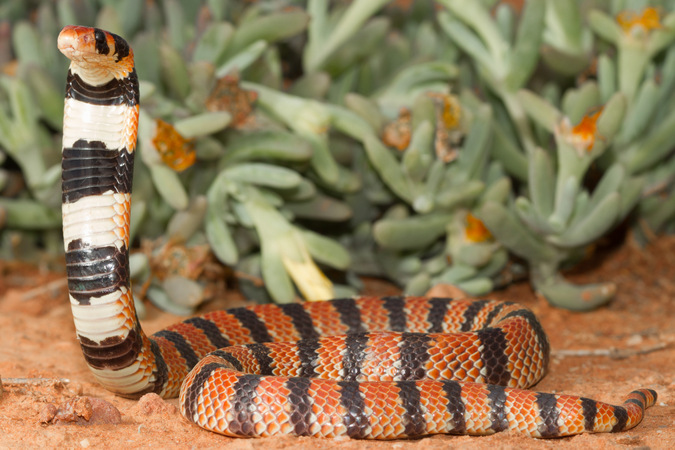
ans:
(98, 52)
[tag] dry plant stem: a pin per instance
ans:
(56, 285)
(613, 353)
(37, 381)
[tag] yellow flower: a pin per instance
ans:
(650, 19)
(448, 130)
(450, 110)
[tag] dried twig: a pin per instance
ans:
(55, 285)
(255, 280)
(613, 353)
(37, 381)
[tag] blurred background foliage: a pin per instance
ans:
(305, 144)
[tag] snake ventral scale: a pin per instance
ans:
(378, 368)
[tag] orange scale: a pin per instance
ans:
(120, 220)
(475, 357)
(211, 423)
(209, 412)
(274, 386)
(168, 350)
(464, 357)
(279, 325)
(477, 407)
(195, 337)
(236, 334)
(219, 413)
(265, 429)
(433, 399)
(288, 352)
(382, 397)
(373, 314)
(121, 234)
(605, 417)
(382, 354)
(329, 430)
(201, 408)
(327, 408)
(474, 374)
(326, 394)
(127, 322)
(454, 319)
(436, 357)
(330, 358)
(246, 357)
(122, 205)
(270, 416)
(398, 429)
(435, 374)
(481, 317)
(521, 407)
(571, 414)
(325, 318)
(416, 314)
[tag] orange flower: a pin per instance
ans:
(398, 133)
(475, 229)
(585, 131)
(176, 151)
(650, 19)
(228, 95)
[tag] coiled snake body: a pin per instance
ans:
(378, 368)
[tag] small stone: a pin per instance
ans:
(47, 413)
(83, 411)
(151, 404)
(446, 290)
(635, 339)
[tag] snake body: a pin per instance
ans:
(378, 368)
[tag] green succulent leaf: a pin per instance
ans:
(213, 42)
(525, 50)
(262, 174)
(563, 294)
(510, 232)
(540, 110)
(542, 182)
(413, 233)
(389, 169)
(605, 26)
(595, 224)
(169, 186)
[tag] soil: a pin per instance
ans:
(603, 355)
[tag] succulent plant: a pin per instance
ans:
(419, 141)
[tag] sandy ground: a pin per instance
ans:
(602, 355)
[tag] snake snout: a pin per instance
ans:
(74, 40)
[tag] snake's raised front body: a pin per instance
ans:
(378, 368)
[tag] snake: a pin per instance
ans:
(362, 367)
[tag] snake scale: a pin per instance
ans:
(376, 368)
